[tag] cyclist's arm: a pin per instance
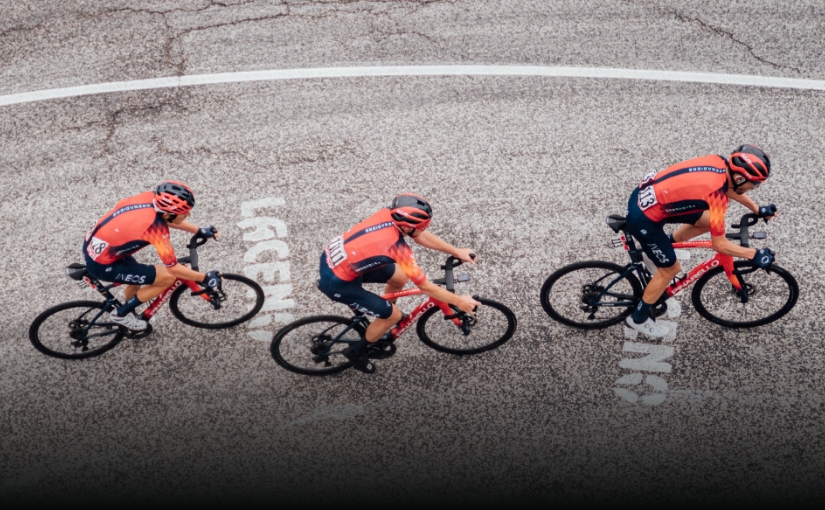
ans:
(429, 240)
(464, 303)
(185, 226)
(744, 200)
(717, 207)
(163, 246)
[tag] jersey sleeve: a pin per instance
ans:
(158, 236)
(717, 206)
(405, 258)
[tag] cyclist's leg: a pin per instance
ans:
(163, 280)
(694, 225)
(391, 276)
(659, 249)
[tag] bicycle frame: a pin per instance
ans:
(405, 323)
(726, 261)
(155, 304)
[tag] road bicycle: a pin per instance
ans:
(82, 329)
(735, 294)
(313, 345)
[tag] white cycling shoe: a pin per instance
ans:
(648, 327)
(130, 321)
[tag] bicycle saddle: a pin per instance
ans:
(76, 271)
(616, 222)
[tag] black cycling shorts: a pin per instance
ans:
(651, 235)
(353, 294)
(126, 270)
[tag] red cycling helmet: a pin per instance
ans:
(750, 162)
(173, 197)
(411, 211)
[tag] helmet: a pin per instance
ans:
(173, 197)
(411, 211)
(750, 162)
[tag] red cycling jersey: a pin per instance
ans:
(694, 185)
(131, 225)
(369, 245)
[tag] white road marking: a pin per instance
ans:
(445, 70)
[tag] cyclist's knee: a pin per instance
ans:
(163, 278)
(672, 270)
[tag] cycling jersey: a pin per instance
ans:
(685, 188)
(369, 245)
(131, 225)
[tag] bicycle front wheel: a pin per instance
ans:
(75, 330)
(312, 346)
(591, 294)
(771, 293)
(238, 301)
(490, 326)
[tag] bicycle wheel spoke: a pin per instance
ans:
(72, 331)
(490, 326)
(313, 346)
(589, 294)
(770, 294)
(238, 300)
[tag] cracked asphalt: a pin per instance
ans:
(522, 169)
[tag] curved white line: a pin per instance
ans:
(448, 70)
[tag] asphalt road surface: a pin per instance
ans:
(522, 169)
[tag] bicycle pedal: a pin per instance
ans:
(137, 335)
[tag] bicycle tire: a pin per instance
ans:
(195, 311)
(42, 341)
(296, 340)
(451, 338)
(729, 303)
(574, 290)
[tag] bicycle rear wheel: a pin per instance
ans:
(771, 294)
(312, 346)
(75, 330)
(591, 294)
(492, 325)
(239, 298)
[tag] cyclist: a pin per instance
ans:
(696, 193)
(374, 251)
(133, 224)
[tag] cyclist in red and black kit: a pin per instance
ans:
(696, 193)
(374, 251)
(133, 224)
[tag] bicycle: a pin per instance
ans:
(735, 294)
(313, 345)
(82, 329)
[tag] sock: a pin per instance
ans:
(128, 306)
(359, 348)
(641, 313)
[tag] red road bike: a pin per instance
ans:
(82, 329)
(732, 293)
(313, 346)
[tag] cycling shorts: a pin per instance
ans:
(353, 294)
(126, 270)
(651, 235)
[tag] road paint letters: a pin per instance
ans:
(274, 276)
(653, 360)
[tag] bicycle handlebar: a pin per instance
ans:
(748, 220)
(195, 241)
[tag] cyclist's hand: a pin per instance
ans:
(213, 280)
(466, 255)
(763, 258)
(767, 211)
(467, 304)
(209, 231)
